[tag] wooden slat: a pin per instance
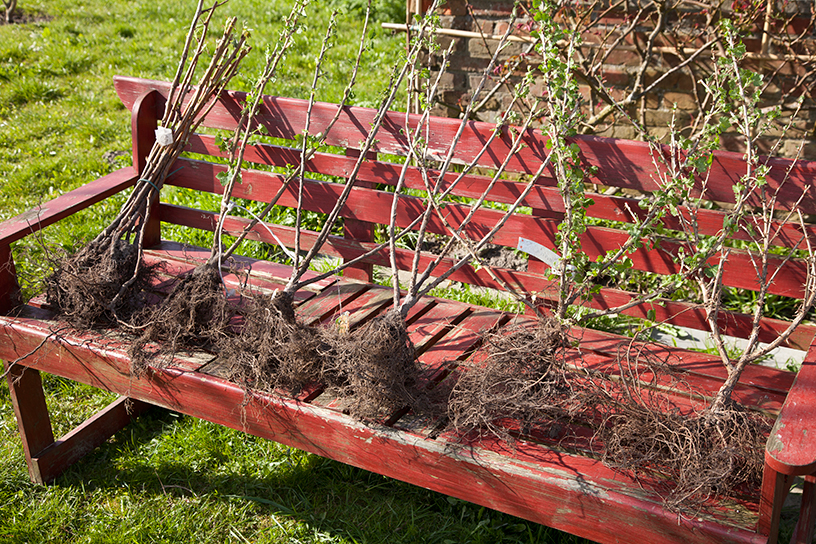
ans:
(539, 484)
(331, 302)
(86, 437)
(374, 206)
(33, 421)
(544, 198)
(621, 163)
(71, 202)
(10, 296)
(262, 269)
(666, 311)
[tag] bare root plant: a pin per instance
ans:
(106, 280)
(522, 383)
(349, 374)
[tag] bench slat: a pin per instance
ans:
(790, 448)
(542, 197)
(374, 206)
(674, 312)
(621, 163)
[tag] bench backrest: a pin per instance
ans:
(627, 165)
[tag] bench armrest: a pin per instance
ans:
(791, 447)
(65, 205)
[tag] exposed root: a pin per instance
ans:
(375, 369)
(195, 313)
(703, 453)
(522, 381)
(273, 351)
(84, 286)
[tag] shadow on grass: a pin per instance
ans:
(292, 493)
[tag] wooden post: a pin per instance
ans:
(10, 296)
(33, 422)
(361, 231)
(803, 533)
(775, 487)
(144, 120)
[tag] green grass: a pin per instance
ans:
(170, 478)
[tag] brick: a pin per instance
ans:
(464, 62)
(653, 101)
(683, 101)
(485, 27)
(452, 7)
(678, 81)
(806, 150)
(620, 57)
(732, 142)
(451, 81)
(616, 78)
(662, 118)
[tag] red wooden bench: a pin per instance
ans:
(538, 479)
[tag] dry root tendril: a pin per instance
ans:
(84, 286)
(273, 351)
(375, 369)
(196, 313)
(523, 379)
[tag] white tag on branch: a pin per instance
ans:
(164, 136)
(540, 252)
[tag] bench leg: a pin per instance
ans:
(48, 458)
(803, 533)
(775, 488)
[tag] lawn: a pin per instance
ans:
(171, 478)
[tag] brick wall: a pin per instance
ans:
(674, 100)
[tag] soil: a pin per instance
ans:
(493, 255)
(25, 17)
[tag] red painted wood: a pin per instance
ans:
(330, 303)
(33, 422)
(803, 532)
(374, 206)
(364, 307)
(10, 296)
(262, 269)
(771, 380)
(775, 488)
(790, 448)
(88, 436)
(545, 200)
(143, 123)
(543, 485)
(621, 163)
(359, 230)
(71, 202)
(435, 323)
(676, 313)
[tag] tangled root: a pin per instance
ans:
(523, 379)
(195, 313)
(375, 369)
(704, 453)
(83, 287)
(273, 351)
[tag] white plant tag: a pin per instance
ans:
(164, 136)
(540, 252)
